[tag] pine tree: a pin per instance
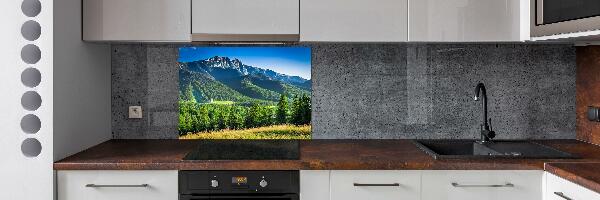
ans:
(252, 117)
(223, 113)
(236, 117)
(282, 109)
(296, 111)
(181, 127)
(306, 109)
(189, 94)
(203, 119)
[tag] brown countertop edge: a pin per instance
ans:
(331, 155)
(314, 155)
(584, 174)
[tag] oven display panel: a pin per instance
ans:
(239, 180)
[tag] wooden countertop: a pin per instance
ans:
(314, 155)
(584, 174)
(331, 155)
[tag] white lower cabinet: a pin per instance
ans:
(482, 185)
(375, 185)
(314, 184)
(117, 185)
(341, 185)
(560, 189)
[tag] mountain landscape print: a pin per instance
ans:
(244, 93)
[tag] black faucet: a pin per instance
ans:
(487, 134)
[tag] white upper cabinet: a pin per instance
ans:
(245, 20)
(468, 20)
(354, 20)
(136, 20)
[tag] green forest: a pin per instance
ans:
(196, 117)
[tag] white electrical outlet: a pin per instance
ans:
(135, 112)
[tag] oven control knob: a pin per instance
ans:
(214, 183)
(263, 183)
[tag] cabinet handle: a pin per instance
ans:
(470, 186)
(376, 184)
(115, 186)
(562, 195)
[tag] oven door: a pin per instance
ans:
(240, 197)
(551, 17)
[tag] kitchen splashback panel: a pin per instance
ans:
(244, 93)
(375, 91)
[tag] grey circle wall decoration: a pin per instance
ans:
(31, 124)
(31, 147)
(31, 30)
(31, 77)
(31, 100)
(31, 8)
(31, 54)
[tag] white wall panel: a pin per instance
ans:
(24, 177)
(82, 109)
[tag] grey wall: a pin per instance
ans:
(384, 90)
(82, 82)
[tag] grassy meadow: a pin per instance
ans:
(285, 131)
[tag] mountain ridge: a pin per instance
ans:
(223, 78)
(228, 63)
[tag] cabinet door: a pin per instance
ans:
(468, 21)
(560, 189)
(354, 20)
(482, 185)
(375, 185)
(136, 20)
(240, 20)
(314, 185)
(117, 185)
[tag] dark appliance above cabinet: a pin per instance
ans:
(553, 17)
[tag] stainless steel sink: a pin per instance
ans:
(469, 149)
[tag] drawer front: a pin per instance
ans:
(117, 185)
(560, 189)
(375, 185)
(482, 185)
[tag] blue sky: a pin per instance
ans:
(293, 61)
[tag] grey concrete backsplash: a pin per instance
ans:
(383, 91)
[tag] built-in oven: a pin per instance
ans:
(552, 17)
(238, 185)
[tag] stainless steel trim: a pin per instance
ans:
(492, 185)
(115, 186)
(566, 27)
(376, 184)
(539, 12)
(560, 194)
(209, 37)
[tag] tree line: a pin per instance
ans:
(197, 117)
